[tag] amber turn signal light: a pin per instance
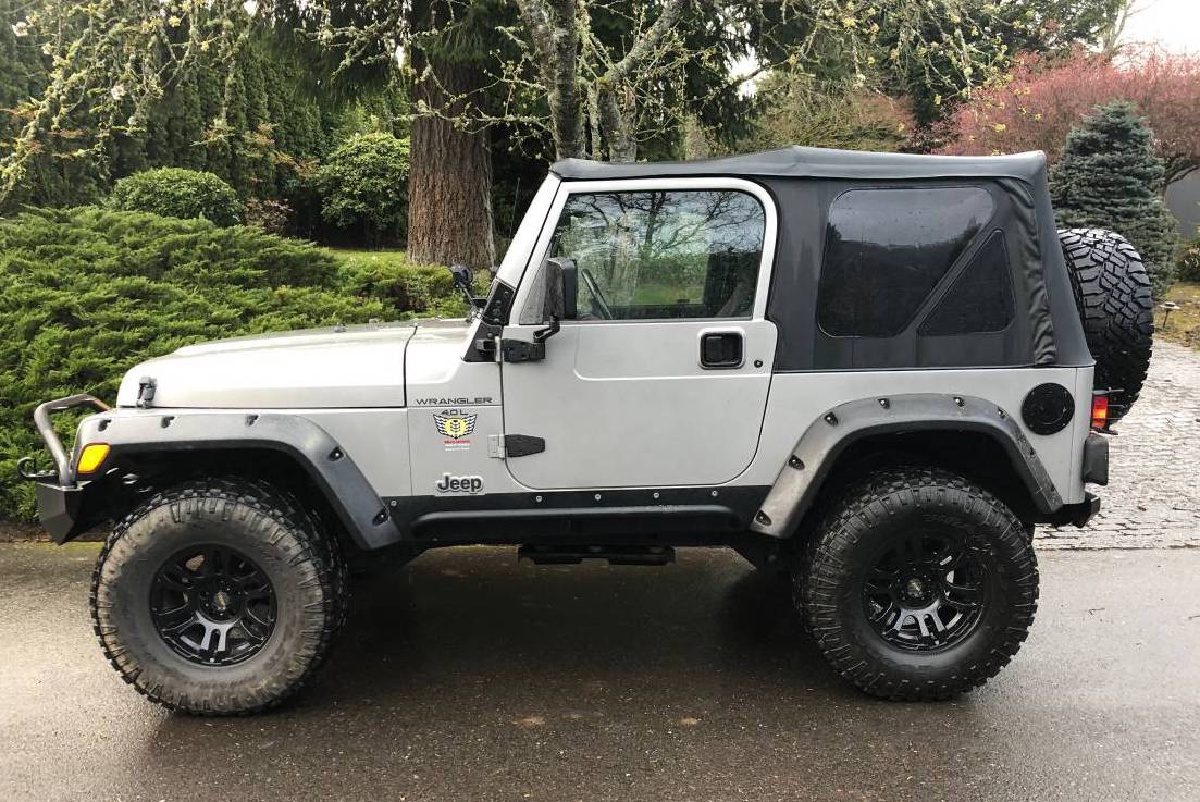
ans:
(93, 457)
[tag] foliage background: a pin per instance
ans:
(90, 292)
(1109, 178)
(364, 187)
(263, 132)
(1035, 105)
(301, 108)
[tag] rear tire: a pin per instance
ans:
(918, 585)
(1112, 293)
(218, 597)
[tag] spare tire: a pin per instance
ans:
(1112, 292)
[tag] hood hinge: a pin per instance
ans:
(503, 446)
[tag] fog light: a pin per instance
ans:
(93, 457)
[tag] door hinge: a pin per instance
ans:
(503, 446)
(486, 347)
(521, 351)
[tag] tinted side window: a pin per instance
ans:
(885, 251)
(664, 254)
(981, 298)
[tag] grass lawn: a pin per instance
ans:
(355, 257)
(1183, 325)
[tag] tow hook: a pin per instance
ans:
(27, 469)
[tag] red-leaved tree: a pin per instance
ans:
(1035, 106)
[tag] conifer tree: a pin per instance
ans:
(1110, 178)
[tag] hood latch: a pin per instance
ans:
(146, 387)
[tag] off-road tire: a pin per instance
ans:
(829, 580)
(268, 526)
(1112, 292)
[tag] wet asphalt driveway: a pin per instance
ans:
(470, 677)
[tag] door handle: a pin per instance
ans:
(722, 350)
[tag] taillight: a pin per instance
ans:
(1100, 411)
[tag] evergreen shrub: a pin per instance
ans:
(390, 278)
(175, 192)
(363, 186)
(1109, 178)
(87, 293)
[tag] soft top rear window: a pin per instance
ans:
(980, 300)
(887, 248)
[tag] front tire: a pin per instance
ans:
(918, 585)
(217, 597)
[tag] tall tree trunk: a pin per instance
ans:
(565, 105)
(450, 178)
(615, 89)
(616, 122)
(553, 28)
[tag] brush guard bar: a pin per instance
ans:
(64, 473)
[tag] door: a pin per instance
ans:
(663, 378)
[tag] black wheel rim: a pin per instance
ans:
(213, 605)
(925, 592)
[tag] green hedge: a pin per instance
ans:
(87, 293)
(175, 192)
(390, 278)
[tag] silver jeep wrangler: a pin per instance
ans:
(875, 371)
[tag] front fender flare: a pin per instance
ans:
(358, 507)
(817, 450)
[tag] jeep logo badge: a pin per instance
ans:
(459, 484)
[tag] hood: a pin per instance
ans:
(433, 359)
(345, 366)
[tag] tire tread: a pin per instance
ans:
(268, 507)
(823, 574)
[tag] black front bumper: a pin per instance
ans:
(60, 510)
(60, 498)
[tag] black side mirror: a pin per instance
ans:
(462, 283)
(562, 290)
(462, 276)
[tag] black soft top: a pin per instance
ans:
(799, 162)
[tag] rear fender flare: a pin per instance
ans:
(352, 498)
(818, 449)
